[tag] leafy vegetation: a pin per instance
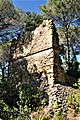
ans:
(74, 99)
(74, 102)
(77, 84)
(33, 20)
(17, 103)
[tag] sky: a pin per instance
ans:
(29, 5)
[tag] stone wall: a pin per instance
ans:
(35, 59)
(37, 52)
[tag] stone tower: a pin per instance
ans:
(36, 55)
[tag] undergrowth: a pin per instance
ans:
(16, 103)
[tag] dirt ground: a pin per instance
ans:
(72, 116)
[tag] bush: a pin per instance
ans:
(18, 101)
(74, 99)
(5, 111)
(9, 93)
(31, 95)
(77, 84)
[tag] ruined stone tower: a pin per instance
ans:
(36, 55)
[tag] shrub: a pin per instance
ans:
(17, 102)
(74, 99)
(77, 84)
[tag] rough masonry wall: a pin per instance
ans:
(36, 55)
(35, 59)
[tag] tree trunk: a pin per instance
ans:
(3, 76)
(68, 47)
(74, 55)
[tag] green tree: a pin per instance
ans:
(33, 20)
(74, 40)
(7, 10)
(4, 58)
(10, 19)
(64, 13)
(8, 22)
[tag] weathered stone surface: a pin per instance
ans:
(40, 49)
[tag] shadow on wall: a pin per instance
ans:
(17, 45)
(19, 74)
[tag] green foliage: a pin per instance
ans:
(33, 20)
(55, 106)
(4, 110)
(74, 101)
(77, 84)
(8, 12)
(8, 92)
(74, 69)
(20, 113)
(31, 95)
(58, 112)
(73, 33)
(17, 102)
(62, 11)
(4, 58)
(58, 116)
